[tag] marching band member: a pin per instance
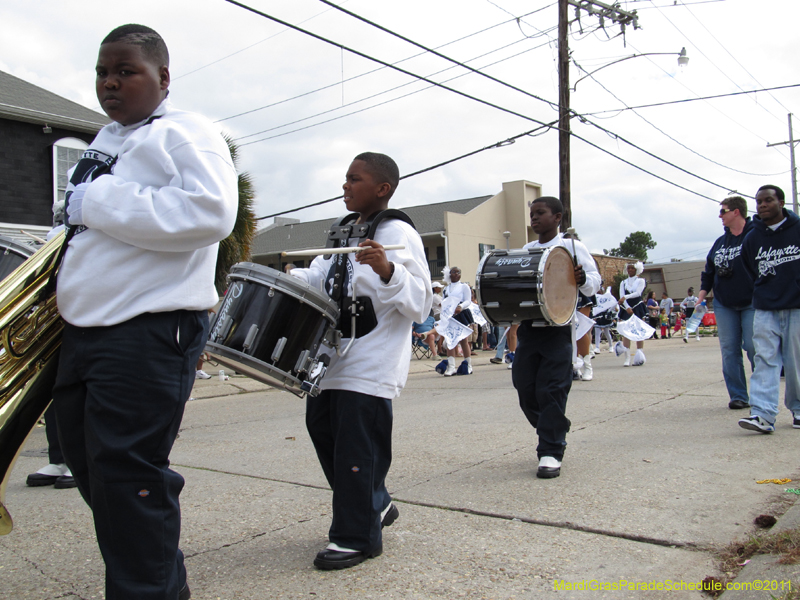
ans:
(350, 422)
(134, 288)
(542, 367)
(632, 303)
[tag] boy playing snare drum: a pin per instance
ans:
(350, 422)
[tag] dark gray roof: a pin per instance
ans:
(23, 101)
(428, 218)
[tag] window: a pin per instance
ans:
(66, 153)
(484, 249)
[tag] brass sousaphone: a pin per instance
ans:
(30, 338)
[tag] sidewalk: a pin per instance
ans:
(657, 476)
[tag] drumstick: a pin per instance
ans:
(571, 232)
(347, 250)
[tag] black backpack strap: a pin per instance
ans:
(389, 213)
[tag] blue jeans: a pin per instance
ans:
(735, 328)
(776, 337)
(501, 344)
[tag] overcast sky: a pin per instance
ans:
(226, 61)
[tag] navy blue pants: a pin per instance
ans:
(119, 397)
(542, 376)
(54, 453)
(352, 434)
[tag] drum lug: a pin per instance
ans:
(491, 275)
(492, 305)
(225, 327)
(301, 365)
(525, 273)
(251, 336)
(529, 304)
(276, 353)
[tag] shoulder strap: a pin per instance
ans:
(389, 213)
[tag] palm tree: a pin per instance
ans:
(236, 247)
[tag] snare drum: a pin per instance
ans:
(12, 255)
(270, 327)
(520, 285)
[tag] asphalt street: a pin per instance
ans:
(656, 478)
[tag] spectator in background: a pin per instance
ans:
(653, 313)
(436, 309)
(771, 255)
(733, 298)
(666, 304)
(687, 306)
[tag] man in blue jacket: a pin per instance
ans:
(733, 298)
(771, 254)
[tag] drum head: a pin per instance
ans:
(559, 288)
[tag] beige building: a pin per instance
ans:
(674, 278)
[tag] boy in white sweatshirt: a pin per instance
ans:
(147, 203)
(350, 422)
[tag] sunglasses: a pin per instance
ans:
(722, 211)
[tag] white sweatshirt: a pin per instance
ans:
(153, 225)
(377, 363)
(585, 259)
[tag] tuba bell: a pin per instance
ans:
(30, 339)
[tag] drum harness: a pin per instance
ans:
(362, 314)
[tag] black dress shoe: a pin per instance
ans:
(390, 517)
(548, 472)
(329, 560)
(185, 593)
(736, 404)
(65, 482)
(37, 479)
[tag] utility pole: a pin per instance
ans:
(603, 11)
(791, 144)
(563, 114)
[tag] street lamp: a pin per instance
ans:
(683, 60)
(564, 131)
(507, 235)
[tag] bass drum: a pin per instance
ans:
(270, 327)
(535, 285)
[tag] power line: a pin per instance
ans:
(250, 46)
(664, 160)
(696, 47)
(372, 71)
(487, 103)
(731, 119)
(506, 142)
(731, 55)
(436, 53)
(714, 97)
(664, 133)
(376, 95)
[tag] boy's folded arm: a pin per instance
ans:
(197, 209)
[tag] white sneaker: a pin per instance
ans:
(200, 374)
(611, 349)
(451, 367)
(627, 354)
(697, 338)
